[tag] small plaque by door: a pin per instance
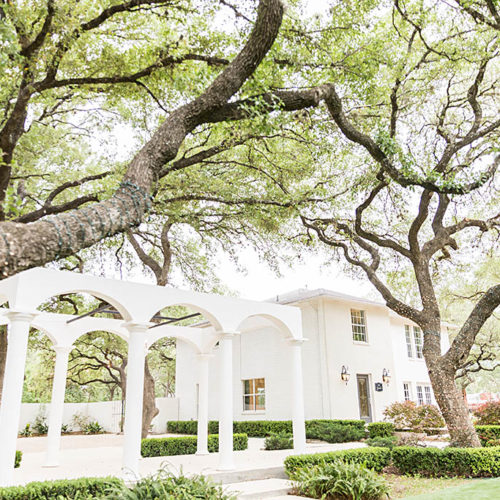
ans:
(379, 387)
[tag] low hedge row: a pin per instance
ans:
(381, 429)
(19, 457)
(256, 428)
(432, 462)
(86, 487)
(488, 433)
(435, 462)
(162, 447)
(374, 458)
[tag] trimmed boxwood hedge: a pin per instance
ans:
(258, 428)
(435, 462)
(82, 488)
(381, 429)
(19, 457)
(162, 447)
(374, 458)
(488, 433)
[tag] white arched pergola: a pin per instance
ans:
(137, 303)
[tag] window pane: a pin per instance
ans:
(358, 325)
(406, 391)
(409, 347)
(419, 342)
(248, 403)
(428, 395)
(246, 387)
(259, 385)
(261, 402)
(420, 395)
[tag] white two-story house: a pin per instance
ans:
(358, 358)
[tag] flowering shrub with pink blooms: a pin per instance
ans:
(408, 415)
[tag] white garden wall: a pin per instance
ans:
(107, 413)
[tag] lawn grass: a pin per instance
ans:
(482, 489)
(408, 486)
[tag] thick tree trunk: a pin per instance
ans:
(453, 407)
(149, 410)
(448, 396)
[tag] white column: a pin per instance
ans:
(298, 420)
(134, 399)
(12, 392)
(226, 461)
(202, 448)
(57, 405)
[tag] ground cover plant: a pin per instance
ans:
(383, 442)
(167, 486)
(340, 480)
(186, 445)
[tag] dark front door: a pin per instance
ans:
(365, 406)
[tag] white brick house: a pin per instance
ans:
(361, 335)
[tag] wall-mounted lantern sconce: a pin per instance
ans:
(386, 376)
(344, 374)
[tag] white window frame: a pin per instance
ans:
(253, 393)
(419, 346)
(420, 394)
(414, 339)
(428, 394)
(409, 343)
(358, 326)
(407, 391)
(425, 395)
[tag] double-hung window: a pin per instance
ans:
(358, 324)
(254, 394)
(407, 391)
(414, 342)
(424, 394)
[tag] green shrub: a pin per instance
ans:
(333, 432)
(93, 428)
(160, 447)
(340, 480)
(257, 428)
(374, 458)
(19, 457)
(83, 488)
(26, 432)
(167, 486)
(435, 462)
(488, 413)
(40, 425)
(279, 441)
(487, 433)
(408, 415)
(381, 429)
(382, 442)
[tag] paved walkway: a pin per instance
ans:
(100, 455)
